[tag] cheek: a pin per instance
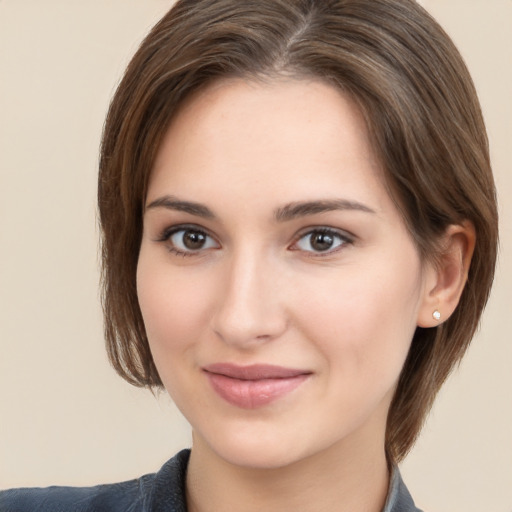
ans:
(174, 306)
(174, 310)
(362, 321)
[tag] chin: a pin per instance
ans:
(255, 456)
(252, 448)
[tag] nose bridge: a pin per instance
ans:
(249, 308)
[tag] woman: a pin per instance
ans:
(299, 235)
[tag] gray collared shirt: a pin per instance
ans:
(159, 492)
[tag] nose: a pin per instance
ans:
(250, 309)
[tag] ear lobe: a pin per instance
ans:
(445, 281)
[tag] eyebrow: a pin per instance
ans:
(303, 208)
(283, 214)
(173, 203)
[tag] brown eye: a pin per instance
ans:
(193, 240)
(189, 240)
(321, 241)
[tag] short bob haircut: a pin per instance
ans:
(422, 112)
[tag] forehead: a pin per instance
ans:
(285, 134)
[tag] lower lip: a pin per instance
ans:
(251, 394)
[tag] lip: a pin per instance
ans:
(250, 387)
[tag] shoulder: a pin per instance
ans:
(126, 496)
(159, 491)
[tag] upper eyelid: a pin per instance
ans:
(344, 236)
(165, 233)
(343, 233)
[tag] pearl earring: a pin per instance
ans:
(436, 315)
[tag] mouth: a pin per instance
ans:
(250, 387)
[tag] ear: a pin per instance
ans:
(445, 279)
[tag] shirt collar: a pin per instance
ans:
(399, 499)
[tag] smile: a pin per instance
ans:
(250, 387)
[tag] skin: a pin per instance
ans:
(259, 291)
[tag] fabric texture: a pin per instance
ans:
(159, 492)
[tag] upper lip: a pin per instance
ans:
(254, 371)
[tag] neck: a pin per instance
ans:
(349, 477)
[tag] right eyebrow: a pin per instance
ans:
(173, 203)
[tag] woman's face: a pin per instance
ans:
(279, 287)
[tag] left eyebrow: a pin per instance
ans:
(304, 208)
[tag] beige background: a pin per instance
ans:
(65, 417)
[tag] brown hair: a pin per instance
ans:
(422, 112)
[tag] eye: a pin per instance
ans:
(321, 240)
(188, 240)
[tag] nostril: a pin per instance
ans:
(246, 331)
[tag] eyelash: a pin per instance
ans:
(342, 237)
(169, 232)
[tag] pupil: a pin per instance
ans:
(193, 240)
(322, 241)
